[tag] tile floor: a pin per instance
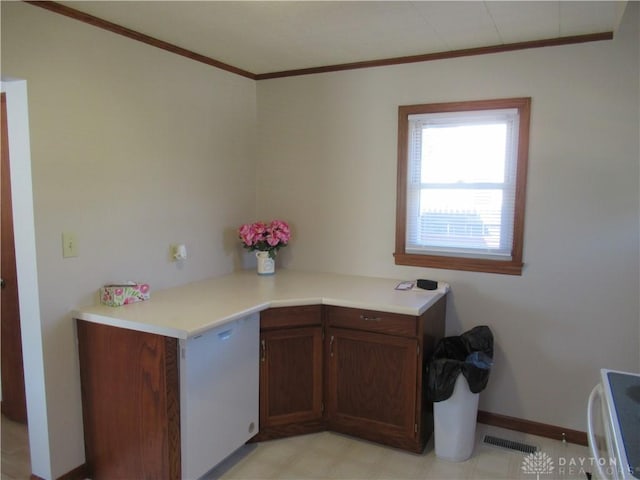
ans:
(329, 455)
(15, 451)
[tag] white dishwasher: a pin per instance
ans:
(219, 385)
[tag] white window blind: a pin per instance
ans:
(461, 183)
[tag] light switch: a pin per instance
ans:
(69, 245)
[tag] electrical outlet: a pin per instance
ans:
(178, 252)
(69, 245)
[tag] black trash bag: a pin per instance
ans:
(470, 354)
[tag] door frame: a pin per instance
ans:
(27, 271)
(14, 403)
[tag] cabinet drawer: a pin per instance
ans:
(372, 321)
(283, 317)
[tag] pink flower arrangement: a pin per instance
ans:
(265, 237)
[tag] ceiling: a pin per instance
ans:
(272, 36)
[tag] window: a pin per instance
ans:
(461, 185)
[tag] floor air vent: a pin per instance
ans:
(509, 444)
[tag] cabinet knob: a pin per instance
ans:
(2, 283)
(331, 345)
(263, 353)
(370, 319)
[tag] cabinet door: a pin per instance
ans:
(371, 386)
(290, 376)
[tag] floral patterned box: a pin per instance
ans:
(117, 295)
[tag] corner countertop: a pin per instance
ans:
(191, 309)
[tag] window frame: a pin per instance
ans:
(510, 267)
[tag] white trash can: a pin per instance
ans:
(454, 422)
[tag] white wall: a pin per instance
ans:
(133, 149)
(327, 163)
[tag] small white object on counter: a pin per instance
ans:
(189, 310)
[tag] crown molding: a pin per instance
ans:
(427, 57)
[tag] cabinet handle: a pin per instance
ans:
(370, 319)
(331, 346)
(263, 353)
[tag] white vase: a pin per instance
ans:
(266, 264)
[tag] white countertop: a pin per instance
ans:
(189, 310)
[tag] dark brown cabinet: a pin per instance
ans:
(291, 372)
(371, 386)
(130, 403)
(364, 366)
